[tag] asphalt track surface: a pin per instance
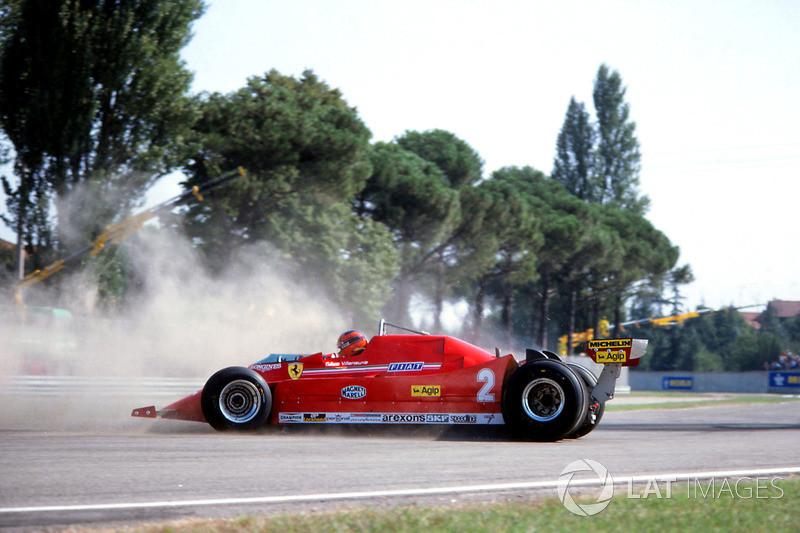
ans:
(88, 471)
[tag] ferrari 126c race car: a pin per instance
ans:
(413, 378)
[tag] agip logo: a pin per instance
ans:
(610, 356)
(567, 481)
(426, 391)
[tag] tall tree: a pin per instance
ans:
(581, 276)
(642, 252)
(573, 166)
(515, 238)
(617, 153)
(27, 201)
(462, 167)
(412, 197)
(460, 163)
(306, 153)
(301, 144)
(93, 99)
(564, 222)
(599, 162)
(677, 277)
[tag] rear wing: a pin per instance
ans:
(613, 354)
(625, 351)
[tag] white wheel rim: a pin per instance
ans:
(239, 401)
(543, 399)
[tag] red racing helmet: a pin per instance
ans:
(351, 342)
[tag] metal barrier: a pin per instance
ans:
(97, 386)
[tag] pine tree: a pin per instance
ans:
(617, 158)
(574, 162)
(599, 162)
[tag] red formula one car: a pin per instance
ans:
(413, 379)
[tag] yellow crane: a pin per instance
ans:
(604, 327)
(115, 233)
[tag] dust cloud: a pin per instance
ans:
(178, 322)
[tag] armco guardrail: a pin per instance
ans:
(97, 386)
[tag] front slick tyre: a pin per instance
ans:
(236, 398)
(544, 401)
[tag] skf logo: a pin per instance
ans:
(610, 344)
(611, 356)
(295, 370)
(426, 390)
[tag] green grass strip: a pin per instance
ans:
(682, 404)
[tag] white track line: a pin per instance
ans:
(334, 496)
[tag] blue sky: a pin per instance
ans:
(712, 86)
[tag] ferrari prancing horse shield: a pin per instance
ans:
(295, 370)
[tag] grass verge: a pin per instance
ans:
(688, 401)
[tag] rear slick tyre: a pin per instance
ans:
(236, 398)
(545, 401)
(595, 410)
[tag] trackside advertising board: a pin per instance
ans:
(784, 379)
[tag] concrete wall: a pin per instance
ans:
(781, 382)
